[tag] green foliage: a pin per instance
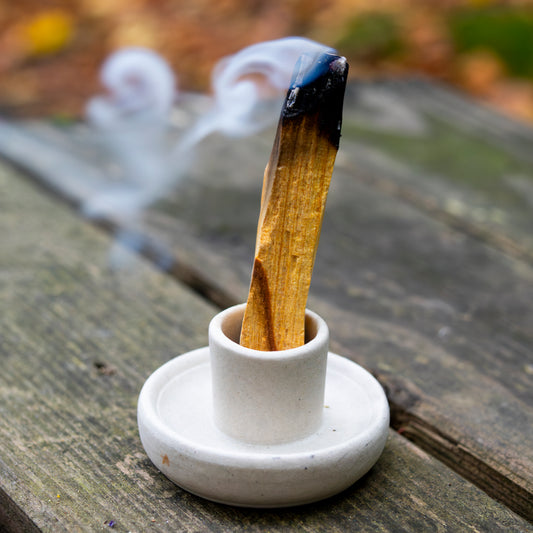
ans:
(505, 31)
(373, 35)
(62, 119)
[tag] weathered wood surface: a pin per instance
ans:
(423, 271)
(79, 339)
(410, 288)
(461, 162)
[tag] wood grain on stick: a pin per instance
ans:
(295, 188)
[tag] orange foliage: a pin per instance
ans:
(51, 50)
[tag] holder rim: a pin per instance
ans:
(218, 323)
(232, 465)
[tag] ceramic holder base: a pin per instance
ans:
(262, 429)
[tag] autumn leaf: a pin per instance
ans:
(47, 33)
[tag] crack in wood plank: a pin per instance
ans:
(516, 493)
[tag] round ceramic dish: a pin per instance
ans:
(213, 453)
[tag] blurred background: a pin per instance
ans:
(51, 50)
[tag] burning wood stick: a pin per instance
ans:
(295, 188)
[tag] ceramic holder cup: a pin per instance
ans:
(262, 429)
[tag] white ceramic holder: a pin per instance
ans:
(262, 429)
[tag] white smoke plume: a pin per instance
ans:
(241, 81)
(134, 116)
(133, 119)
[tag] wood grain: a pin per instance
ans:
(78, 341)
(410, 282)
(478, 161)
(295, 189)
(407, 277)
(441, 318)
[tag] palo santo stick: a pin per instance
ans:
(295, 188)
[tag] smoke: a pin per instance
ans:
(241, 84)
(141, 85)
(133, 117)
(133, 120)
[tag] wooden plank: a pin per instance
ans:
(441, 318)
(459, 161)
(396, 134)
(78, 340)
(456, 310)
(408, 289)
(466, 114)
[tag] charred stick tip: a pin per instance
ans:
(317, 88)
